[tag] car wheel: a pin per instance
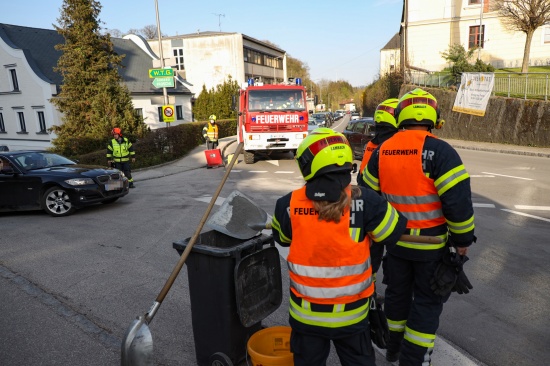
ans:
(110, 200)
(56, 202)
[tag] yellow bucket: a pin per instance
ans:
(270, 347)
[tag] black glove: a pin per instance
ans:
(379, 330)
(462, 285)
(447, 273)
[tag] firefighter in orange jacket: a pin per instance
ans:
(329, 226)
(386, 127)
(423, 177)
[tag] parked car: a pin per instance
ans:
(355, 115)
(4, 148)
(359, 132)
(321, 119)
(311, 125)
(31, 180)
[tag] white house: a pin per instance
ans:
(208, 58)
(429, 27)
(29, 82)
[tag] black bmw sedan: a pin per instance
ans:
(32, 180)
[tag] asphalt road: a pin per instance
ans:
(71, 286)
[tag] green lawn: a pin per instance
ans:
(544, 69)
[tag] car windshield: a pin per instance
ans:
(40, 160)
(284, 99)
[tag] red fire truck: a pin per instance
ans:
(272, 117)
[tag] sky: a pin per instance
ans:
(338, 40)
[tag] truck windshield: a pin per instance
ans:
(267, 100)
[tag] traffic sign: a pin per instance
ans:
(161, 73)
(168, 114)
(163, 82)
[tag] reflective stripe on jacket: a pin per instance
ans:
(366, 156)
(120, 152)
(210, 132)
(326, 265)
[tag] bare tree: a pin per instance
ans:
(149, 31)
(113, 32)
(524, 16)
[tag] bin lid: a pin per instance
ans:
(258, 285)
(216, 244)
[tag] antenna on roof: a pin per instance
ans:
(219, 20)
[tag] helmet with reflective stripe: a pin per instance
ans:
(323, 151)
(116, 131)
(212, 117)
(383, 115)
(417, 108)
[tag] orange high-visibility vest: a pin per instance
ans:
(403, 182)
(366, 156)
(326, 265)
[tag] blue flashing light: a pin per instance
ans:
(298, 81)
(301, 118)
(253, 119)
(251, 82)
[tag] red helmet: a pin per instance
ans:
(116, 131)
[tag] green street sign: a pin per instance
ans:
(163, 82)
(160, 73)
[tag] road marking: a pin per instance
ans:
(274, 162)
(484, 205)
(507, 176)
(284, 172)
(235, 171)
(526, 215)
(482, 176)
(534, 208)
(207, 199)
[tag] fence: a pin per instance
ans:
(531, 85)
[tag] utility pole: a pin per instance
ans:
(164, 91)
(481, 35)
(219, 20)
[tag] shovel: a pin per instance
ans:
(137, 344)
(241, 218)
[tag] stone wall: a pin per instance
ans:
(506, 121)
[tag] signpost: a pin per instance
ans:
(168, 114)
(161, 73)
(163, 82)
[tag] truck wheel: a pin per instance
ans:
(220, 359)
(249, 157)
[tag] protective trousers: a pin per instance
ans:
(125, 168)
(412, 309)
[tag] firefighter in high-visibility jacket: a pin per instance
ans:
(424, 178)
(329, 225)
(119, 152)
(210, 133)
(386, 127)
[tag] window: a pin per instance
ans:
(178, 55)
(475, 38)
(138, 112)
(2, 125)
(474, 2)
(547, 34)
(41, 122)
(179, 112)
(22, 125)
(161, 118)
(252, 56)
(14, 83)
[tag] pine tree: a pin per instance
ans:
(93, 99)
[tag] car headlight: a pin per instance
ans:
(79, 181)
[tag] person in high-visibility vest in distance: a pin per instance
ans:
(424, 178)
(329, 226)
(120, 151)
(210, 133)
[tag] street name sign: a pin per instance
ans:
(166, 82)
(161, 73)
